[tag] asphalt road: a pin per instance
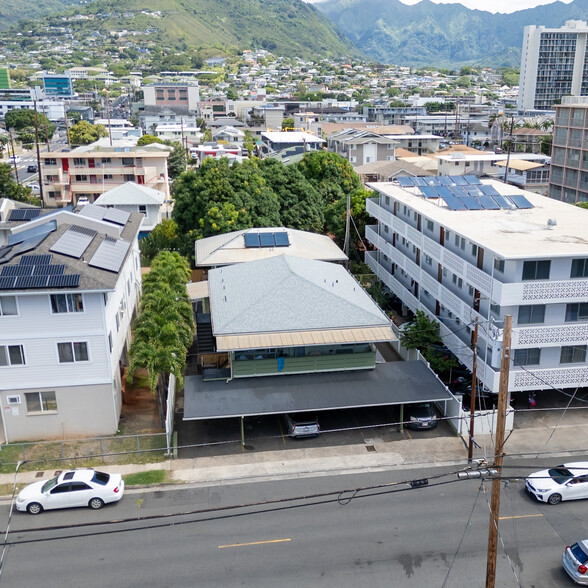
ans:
(395, 536)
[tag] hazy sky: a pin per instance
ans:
(493, 5)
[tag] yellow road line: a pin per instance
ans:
(405, 430)
(529, 516)
(255, 543)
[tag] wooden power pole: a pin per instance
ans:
(473, 394)
(498, 453)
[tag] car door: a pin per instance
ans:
(80, 494)
(577, 488)
(58, 497)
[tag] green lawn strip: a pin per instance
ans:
(145, 478)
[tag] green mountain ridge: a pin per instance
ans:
(442, 35)
(284, 27)
(12, 11)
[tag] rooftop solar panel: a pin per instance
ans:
(488, 190)
(281, 239)
(488, 202)
(454, 203)
(110, 254)
(458, 191)
(71, 280)
(23, 214)
(459, 181)
(472, 180)
(118, 217)
(7, 282)
(501, 201)
(445, 180)
(520, 201)
(429, 191)
(444, 191)
(35, 260)
(48, 270)
(252, 240)
(405, 181)
(17, 270)
(433, 181)
(93, 211)
(74, 241)
(418, 181)
(473, 190)
(26, 282)
(266, 239)
(471, 203)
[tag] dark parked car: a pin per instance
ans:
(32, 169)
(420, 416)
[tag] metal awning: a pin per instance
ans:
(300, 338)
(400, 382)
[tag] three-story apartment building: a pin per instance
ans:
(478, 254)
(91, 170)
(69, 286)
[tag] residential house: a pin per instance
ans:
(69, 286)
(481, 163)
(272, 142)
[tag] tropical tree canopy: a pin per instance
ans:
(84, 133)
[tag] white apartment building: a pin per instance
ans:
(526, 256)
(69, 286)
(553, 64)
(91, 170)
(458, 163)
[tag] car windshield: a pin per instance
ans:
(560, 474)
(101, 478)
(579, 553)
(49, 484)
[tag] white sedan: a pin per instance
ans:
(71, 488)
(563, 482)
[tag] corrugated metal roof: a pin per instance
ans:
(300, 338)
(520, 164)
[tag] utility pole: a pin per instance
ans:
(498, 453)
(347, 227)
(508, 152)
(38, 152)
(13, 155)
(473, 395)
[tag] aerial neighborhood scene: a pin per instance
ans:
(294, 293)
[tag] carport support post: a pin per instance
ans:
(243, 431)
(473, 394)
(401, 424)
(498, 453)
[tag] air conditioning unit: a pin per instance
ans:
(16, 399)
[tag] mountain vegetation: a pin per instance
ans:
(11, 11)
(442, 35)
(284, 27)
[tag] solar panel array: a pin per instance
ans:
(266, 239)
(110, 254)
(464, 193)
(112, 215)
(74, 241)
(24, 214)
(36, 271)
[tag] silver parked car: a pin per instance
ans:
(302, 424)
(575, 561)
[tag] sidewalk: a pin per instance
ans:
(375, 455)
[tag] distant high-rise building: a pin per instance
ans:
(569, 156)
(4, 79)
(58, 84)
(553, 64)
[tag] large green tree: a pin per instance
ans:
(84, 133)
(9, 188)
(22, 120)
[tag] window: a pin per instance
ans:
(72, 352)
(8, 306)
(428, 260)
(129, 177)
(67, 303)
(143, 209)
(41, 401)
(474, 250)
(495, 309)
(430, 225)
(536, 270)
(110, 342)
(527, 356)
(81, 178)
(50, 161)
(106, 160)
(533, 313)
(499, 265)
(11, 355)
(128, 161)
(577, 312)
(573, 354)
(579, 268)
(78, 161)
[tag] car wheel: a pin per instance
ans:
(34, 508)
(96, 503)
(554, 498)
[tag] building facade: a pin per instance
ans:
(523, 255)
(69, 286)
(569, 161)
(91, 170)
(553, 64)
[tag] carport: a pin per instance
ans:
(395, 383)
